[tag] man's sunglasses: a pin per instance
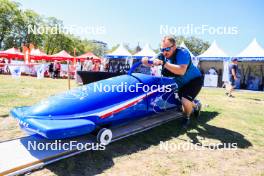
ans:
(166, 49)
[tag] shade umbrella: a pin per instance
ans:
(88, 55)
(11, 53)
(37, 54)
(61, 56)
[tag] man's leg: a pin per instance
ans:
(187, 95)
(187, 106)
(231, 89)
(55, 74)
(228, 89)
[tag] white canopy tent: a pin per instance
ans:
(120, 53)
(145, 52)
(214, 58)
(253, 52)
(252, 66)
(213, 53)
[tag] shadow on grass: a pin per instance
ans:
(96, 162)
(225, 136)
(4, 115)
(256, 99)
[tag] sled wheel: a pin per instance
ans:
(104, 136)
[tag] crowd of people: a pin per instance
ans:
(56, 69)
(90, 65)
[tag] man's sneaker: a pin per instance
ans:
(197, 109)
(231, 96)
(186, 122)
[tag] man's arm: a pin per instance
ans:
(234, 73)
(176, 69)
(183, 59)
(145, 62)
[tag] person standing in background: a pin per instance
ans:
(57, 69)
(232, 69)
(51, 69)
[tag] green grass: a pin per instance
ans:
(27, 91)
(223, 120)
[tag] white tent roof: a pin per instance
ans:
(184, 46)
(252, 50)
(145, 52)
(214, 52)
(120, 52)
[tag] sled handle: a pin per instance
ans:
(136, 65)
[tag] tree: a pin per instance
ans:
(52, 40)
(31, 19)
(22, 34)
(8, 15)
(196, 46)
(113, 48)
(55, 42)
(96, 47)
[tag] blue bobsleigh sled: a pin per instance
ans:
(97, 105)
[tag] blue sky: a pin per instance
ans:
(139, 21)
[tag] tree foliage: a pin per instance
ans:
(195, 45)
(16, 29)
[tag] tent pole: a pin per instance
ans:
(69, 83)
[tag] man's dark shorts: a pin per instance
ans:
(232, 82)
(191, 89)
